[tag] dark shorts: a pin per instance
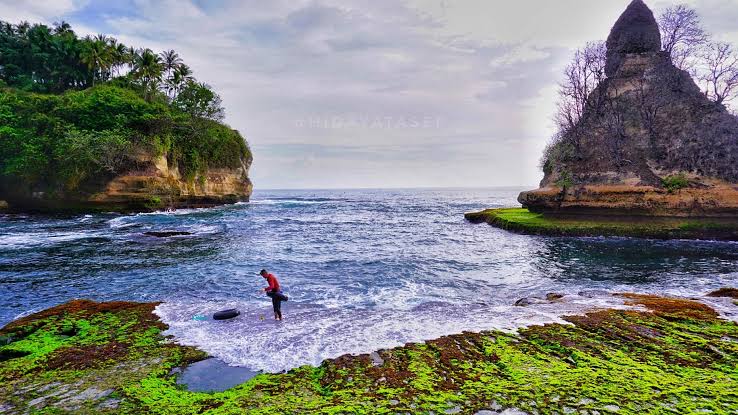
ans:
(276, 297)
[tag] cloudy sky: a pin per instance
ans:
(373, 93)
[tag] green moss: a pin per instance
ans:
(524, 221)
(676, 358)
(154, 203)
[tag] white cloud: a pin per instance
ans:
(37, 11)
(485, 70)
(520, 54)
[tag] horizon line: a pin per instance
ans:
(400, 187)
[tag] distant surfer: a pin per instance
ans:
(274, 292)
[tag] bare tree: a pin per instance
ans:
(581, 78)
(682, 35)
(720, 72)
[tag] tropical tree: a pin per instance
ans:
(171, 60)
(181, 75)
(97, 56)
(62, 27)
(199, 101)
(118, 53)
(148, 70)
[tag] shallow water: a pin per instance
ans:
(364, 269)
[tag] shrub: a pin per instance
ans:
(675, 182)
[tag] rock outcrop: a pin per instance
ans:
(154, 184)
(636, 31)
(649, 142)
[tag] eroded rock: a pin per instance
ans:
(649, 142)
(636, 31)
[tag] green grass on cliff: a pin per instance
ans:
(106, 358)
(524, 221)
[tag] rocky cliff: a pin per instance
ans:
(107, 148)
(155, 183)
(649, 142)
(161, 185)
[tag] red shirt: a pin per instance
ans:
(273, 283)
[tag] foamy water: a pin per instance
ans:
(365, 270)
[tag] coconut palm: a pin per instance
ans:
(96, 56)
(119, 53)
(171, 60)
(180, 76)
(62, 27)
(148, 69)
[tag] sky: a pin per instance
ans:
(374, 93)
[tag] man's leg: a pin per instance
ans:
(279, 308)
(275, 306)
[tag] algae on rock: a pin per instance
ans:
(97, 358)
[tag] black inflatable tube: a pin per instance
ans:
(226, 314)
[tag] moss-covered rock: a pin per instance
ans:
(524, 221)
(95, 358)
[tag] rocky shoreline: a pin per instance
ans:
(524, 221)
(665, 354)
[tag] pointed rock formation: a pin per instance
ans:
(636, 31)
(648, 143)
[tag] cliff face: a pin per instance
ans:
(162, 186)
(649, 142)
(154, 184)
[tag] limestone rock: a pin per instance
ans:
(153, 185)
(648, 143)
(636, 31)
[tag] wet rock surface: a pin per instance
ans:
(674, 355)
(166, 234)
(725, 292)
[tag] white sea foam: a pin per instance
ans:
(287, 201)
(34, 239)
(312, 333)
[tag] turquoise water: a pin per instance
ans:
(364, 269)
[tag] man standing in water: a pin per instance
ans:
(273, 291)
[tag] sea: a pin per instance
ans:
(364, 270)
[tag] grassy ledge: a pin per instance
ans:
(676, 356)
(524, 221)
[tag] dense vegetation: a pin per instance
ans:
(74, 111)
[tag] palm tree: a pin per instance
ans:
(180, 76)
(171, 60)
(96, 56)
(62, 27)
(119, 54)
(23, 27)
(148, 69)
